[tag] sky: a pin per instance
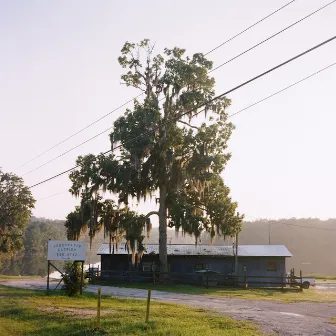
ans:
(59, 72)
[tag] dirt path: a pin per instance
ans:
(295, 319)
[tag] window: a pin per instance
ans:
(272, 267)
(147, 267)
(201, 266)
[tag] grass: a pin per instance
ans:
(326, 281)
(18, 277)
(288, 296)
(322, 277)
(27, 313)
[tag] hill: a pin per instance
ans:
(310, 240)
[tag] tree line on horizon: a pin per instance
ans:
(312, 249)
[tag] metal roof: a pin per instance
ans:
(209, 250)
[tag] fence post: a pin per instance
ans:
(82, 276)
(148, 305)
(153, 272)
(293, 275)
(245, 275)
(282, 282)
(98, 307)
(48, 278)
(301, 285)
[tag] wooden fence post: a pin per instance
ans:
(98, 308)
(48, 278)
(301, 285)
(245, 276)
(282, 282)
(153, 272)
(148, 305)
(82, 276)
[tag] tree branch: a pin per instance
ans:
(183, 122)
(152, 213)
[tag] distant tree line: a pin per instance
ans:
(32, 260)
(312, 248)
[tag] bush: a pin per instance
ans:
(73, 278)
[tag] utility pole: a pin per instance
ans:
(269, 231)
(236, 260)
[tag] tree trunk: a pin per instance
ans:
(163, 229)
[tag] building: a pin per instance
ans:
(258, 261)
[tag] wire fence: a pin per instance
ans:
(202, 278)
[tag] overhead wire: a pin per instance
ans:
(257, 102)
(204, 104)
(267, 222)
(248, 28)
(274, 35)
(219, 66)
(129, 101)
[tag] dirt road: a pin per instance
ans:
(295, 319)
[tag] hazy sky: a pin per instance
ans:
(59, 72)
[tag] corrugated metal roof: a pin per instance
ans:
(210, 250)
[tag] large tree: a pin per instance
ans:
(165, 145)
(16, 204)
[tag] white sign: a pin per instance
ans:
(66, 250)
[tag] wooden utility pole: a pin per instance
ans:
(236, 260)
(269, 230)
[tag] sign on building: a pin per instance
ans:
(66, 250)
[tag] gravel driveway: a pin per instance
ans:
(292, 319)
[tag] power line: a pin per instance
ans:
(272, 36)
(119, 107)
(304, 226)
(231, 115)
(291, 224)
(81, 130)
(206, 103)
(68, 151)
(228, 61)
(282, 90)
(248, 28)
(42, 199)
(255, 103)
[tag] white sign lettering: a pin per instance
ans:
(66, 250)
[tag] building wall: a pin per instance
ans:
(187, 264)
(261, 267)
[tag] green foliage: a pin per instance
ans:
(73, 278)
(160, 149)
(16, 204)
(60, 315)
(32, 260)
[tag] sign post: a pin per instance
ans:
(67, 250)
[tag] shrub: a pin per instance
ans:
(73, 278)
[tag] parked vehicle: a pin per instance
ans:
(306, 282)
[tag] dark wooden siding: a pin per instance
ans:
(255, 266)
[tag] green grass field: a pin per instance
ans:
(322, 277)
(28, 313)
(16, 277)
(289, 296)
